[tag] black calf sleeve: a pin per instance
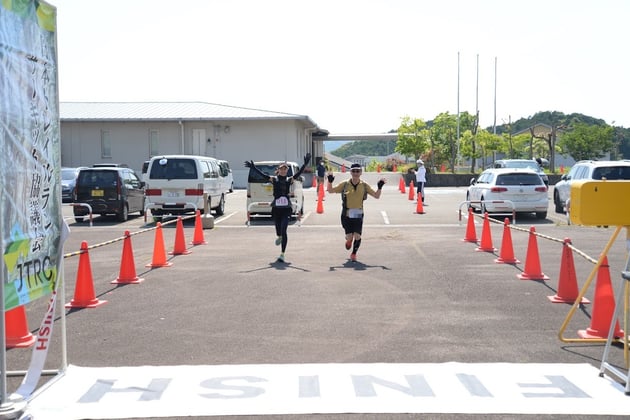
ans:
(356, 245)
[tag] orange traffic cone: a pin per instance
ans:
(16, 329)
(603, 307)
(180, 243)
(412, 191)
(320, 191)
(532, 269)
(402, 186)
(419, 206)
(127, 273)
(320, 204)
(343, 168)
(485, 244)
(159, 254)
(314, 183)
(471, 234)
(198, 235)
(507, 250)
(84, 296)
(567, 283)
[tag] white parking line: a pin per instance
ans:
(385, 217)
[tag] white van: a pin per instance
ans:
(260, 190)
(176, 184)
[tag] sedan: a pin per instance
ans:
(508, 190)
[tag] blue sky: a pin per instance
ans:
(353, 66)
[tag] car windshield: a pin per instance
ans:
(269, 169)
(612, 173)
(173, 168)
(101, 179)
(518, 179)
(68, 174)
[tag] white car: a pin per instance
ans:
(589, 170)
(503, 190)
(260, 190)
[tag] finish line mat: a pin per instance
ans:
(180, 391)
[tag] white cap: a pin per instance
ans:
(420, 162)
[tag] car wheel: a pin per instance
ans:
(558, 204)
(482, 207)
(541, 215)
(220, 210)
(123, 215)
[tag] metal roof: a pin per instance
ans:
(167, 111)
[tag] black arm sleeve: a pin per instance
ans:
(259, 172)
(299, 172)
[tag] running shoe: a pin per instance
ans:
(278, 240)
(353, 257)
(280, 258)
(348, 243)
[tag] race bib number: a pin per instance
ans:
(355, 213)
(282, 202)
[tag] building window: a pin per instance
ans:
(106, 144)
(153, 143)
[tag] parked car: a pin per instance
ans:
(589, 170)
(226, 176)
(108, 190)
(68, 180)
(260, 190)
(176, 184)
(536, 165)
(495, 188)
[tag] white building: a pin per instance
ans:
(132, 132)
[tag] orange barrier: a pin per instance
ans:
(179, 248)
(127, 273)
(507, 250)
(320, 204)
(159, 253)
(485, 245)
(532, 269)
(16, 329)
(198, 238)
(419, 206)
(471, 234)
(567, 282)
(603, 307)
(84, 296)
(412, 191)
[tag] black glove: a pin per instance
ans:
(249, 163)
(307, 159)
(331, 178)
(380, 184)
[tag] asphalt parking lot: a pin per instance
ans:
(417, 294)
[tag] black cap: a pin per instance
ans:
(355, 166)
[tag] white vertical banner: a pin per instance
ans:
(31, 221)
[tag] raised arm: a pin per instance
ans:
(307, 159)
(250, 164)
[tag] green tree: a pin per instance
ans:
(413, 137)
(587, 141)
